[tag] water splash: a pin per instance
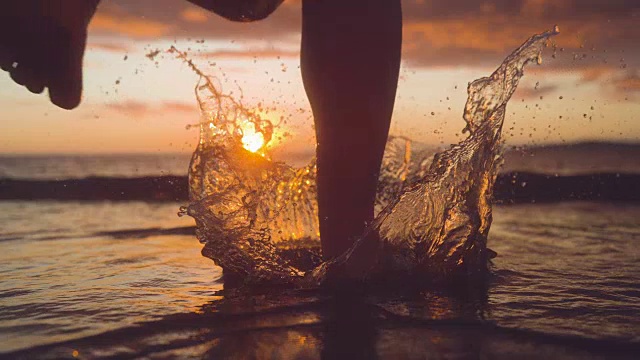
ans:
(434, 213)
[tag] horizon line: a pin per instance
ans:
(305, 151)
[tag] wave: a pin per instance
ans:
(510, 188)
(150, 189)
(148, 232)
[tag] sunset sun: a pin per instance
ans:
(251, 139)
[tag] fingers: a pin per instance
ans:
(6, 65)
(25, 76)
(21, 73)
(46, 54)
(34, 83)
(6, 58)
(25, 73)
(65, 79)
(18, 75)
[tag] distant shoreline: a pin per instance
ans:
(510, 188)
(307, 153)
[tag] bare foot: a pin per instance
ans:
(42, 45)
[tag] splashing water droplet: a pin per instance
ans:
(183, 211)
(433, 213)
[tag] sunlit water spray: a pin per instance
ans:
(258, 218)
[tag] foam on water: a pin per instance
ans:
(434, 214)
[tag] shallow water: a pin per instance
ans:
(565, 284)
(61, 279)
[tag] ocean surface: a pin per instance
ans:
(123, 277)
(574, 159)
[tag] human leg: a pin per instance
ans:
(350, 65)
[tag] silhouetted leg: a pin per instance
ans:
(350, 64)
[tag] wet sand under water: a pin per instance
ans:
(564, 285)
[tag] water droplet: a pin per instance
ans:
(183, 211)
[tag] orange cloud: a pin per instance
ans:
(138, 109)
(539, 8)
(177, 106)
(195, 15)
(132, 108)
(252, 53)
(629, 83)
(473, 33)
(131, 26)
(436, 33)
(594, 73)
(480, 40)
(108, 46)
(531, 92)
(175, 18)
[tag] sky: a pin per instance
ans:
(588, 91)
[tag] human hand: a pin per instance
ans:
(42, 45)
